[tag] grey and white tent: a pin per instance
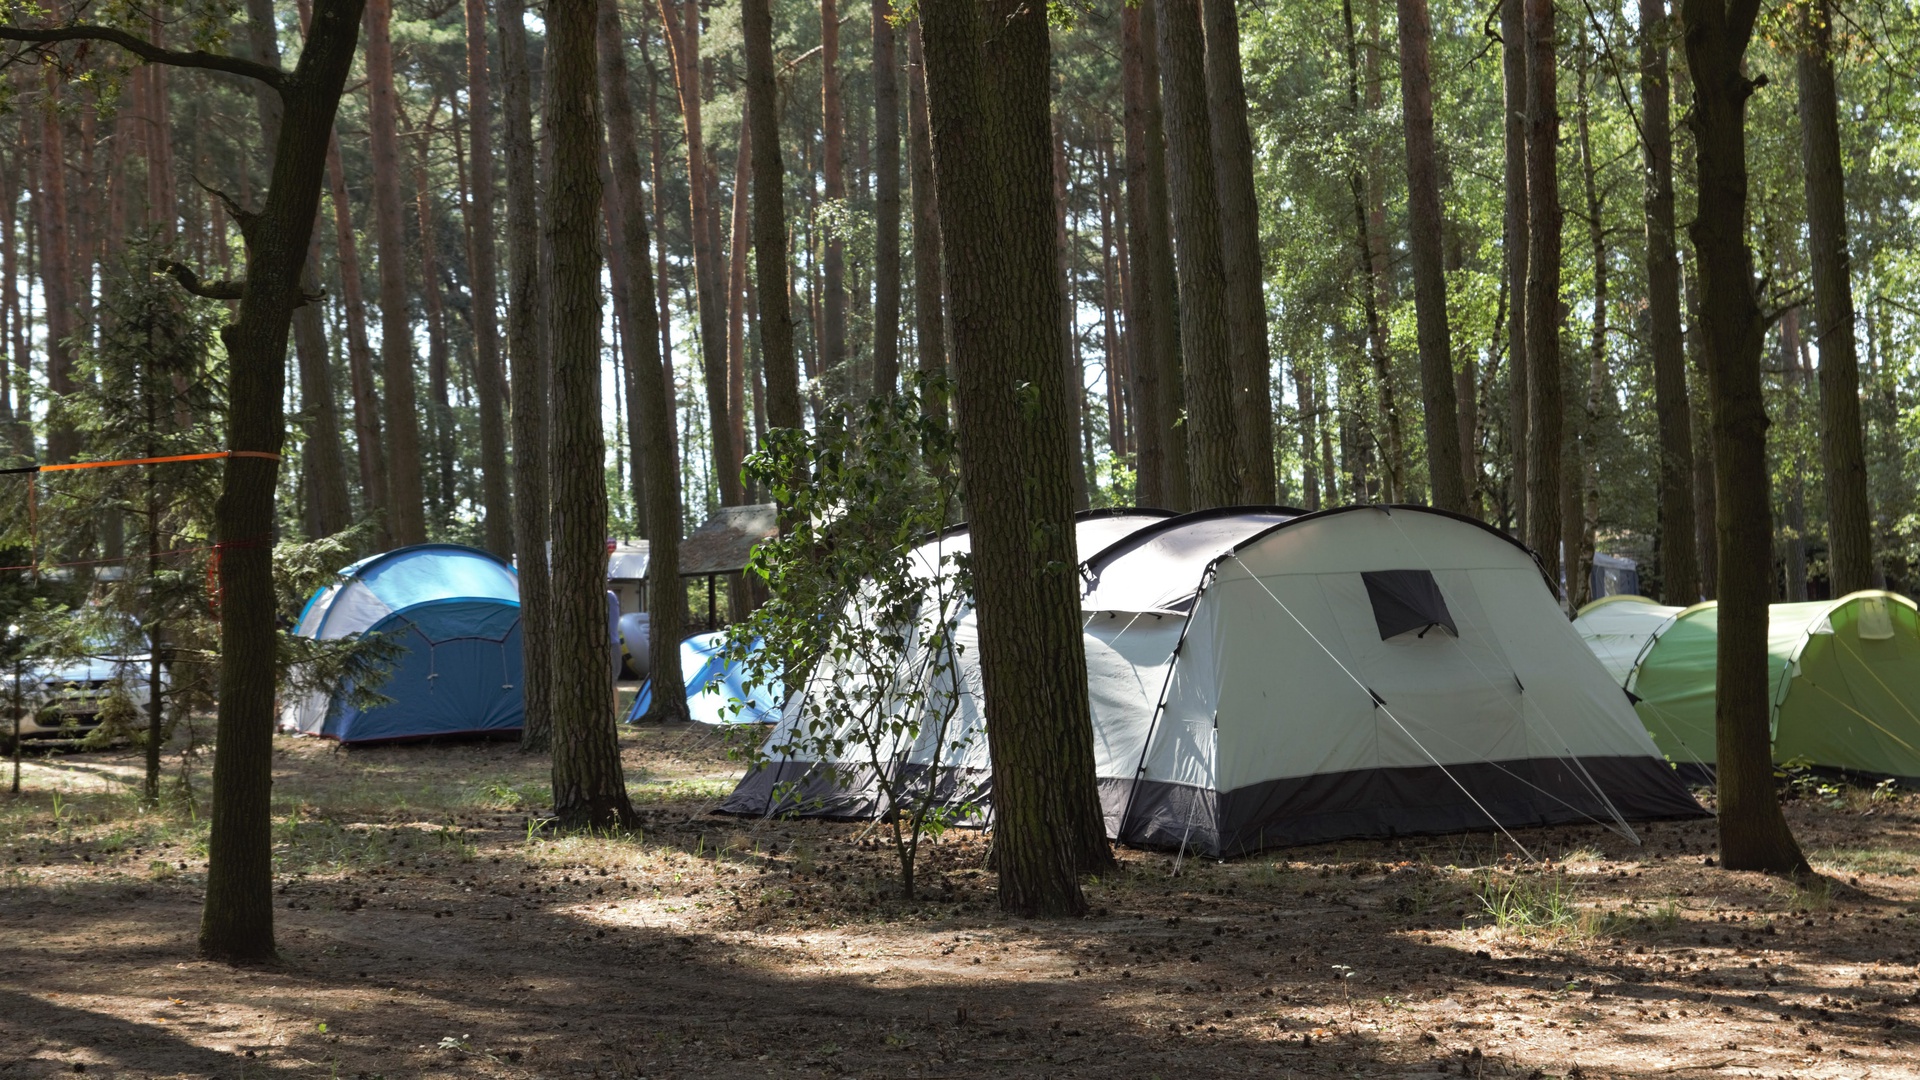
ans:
(1265, 677)
(845, 786)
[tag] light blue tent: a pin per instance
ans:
(456, 612)
(715, 685)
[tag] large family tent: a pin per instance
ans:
(718, 688)
(1845, 676)
(845, 786)
(1266, 677)
(455, 612)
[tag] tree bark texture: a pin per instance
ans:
(237, 921)
(770, 220)
(1515, 239)
(1425, 229)
(1205, 346)
(929, 281)
(1753, 832)
(886, 202)
(1143, 312)
(527, 352)
(1679, 553)
(655, 464)
(405, 494)
(490, 386)
(1545, 395)
(1843, 456)
(1245, 277)
(589, 787)
(988, 98)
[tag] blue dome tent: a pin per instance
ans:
(717, 690)
(456, 612)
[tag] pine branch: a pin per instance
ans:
(190, 281)
(148, 51)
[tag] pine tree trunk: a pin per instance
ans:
(1303, 393)
(327, 508)
(656, 466)
(620, 270)
(990, 114)
(237, 923)
(683, 32)
(770, 220)
(1425, 228)
(406, 498)
(1545, 398)
(929, 284)
(656, 165)
(56, 266)
(1075, 383)
(366, 398)
(1240, 255)
(1706, 510)
(737, 246)
(1679, 550)
(589, 786)
(1579, 505)
(1843, 457)
(1515, 240)
(833, 303)
(440, 420)
(1793, 479)
(1204, 344)
(527, 351)
(490, 388)
(1466, 395)
(1144, 313)
(886, 203)
(1373, 285)
(1753, 832)
(1113, 356)
(1163, 279)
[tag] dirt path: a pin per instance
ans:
(426, 932)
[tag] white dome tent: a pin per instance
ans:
(1266, 677)
(845, 787)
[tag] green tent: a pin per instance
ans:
(1845, 676)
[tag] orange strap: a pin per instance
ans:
(160, 460)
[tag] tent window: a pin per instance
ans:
(1407, 600)
(1876, 622)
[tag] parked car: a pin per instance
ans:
(62, 699)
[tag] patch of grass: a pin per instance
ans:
(653, 792)
(1887, 861)
(506, 794)
(1816, 895)
(1538, 906)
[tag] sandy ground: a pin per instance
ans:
(427, 931)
